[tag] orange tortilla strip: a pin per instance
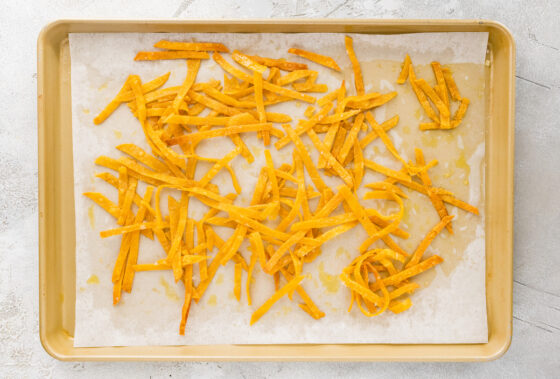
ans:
(158, 55)
(405, 70)
(114, 104)
(227, 131)
(417, 255)
(358, 79)
(453, 90)
(317, 58)
(434, 198)
(288, 288)
(279, 63)
(266, 85)
(191, 46)
(247, 62)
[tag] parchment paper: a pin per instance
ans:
(450, 307)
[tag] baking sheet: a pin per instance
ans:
(452, 309)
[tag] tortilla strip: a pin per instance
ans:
(317, 58)
(191, 46)
(157, 55)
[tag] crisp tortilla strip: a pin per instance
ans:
(123, 185)
(339, 117)
(227, 131)
(399, 175)
(273, 75)
(440, 79)
(389, 228)
(236, 241)
(410, 272)
(440, 105)
(258, 248)
(247, 62)
(130, 228)
(136, 86)
(193, 65)
(460, 112)
(293, 76)
(147, 87)
(114, 104)
(151, 267)
(305, 125)
(266, 85)
(358, 210)
(351, 138)
(143, 157)
(134, 244)
(317, 58)
(237, 281)
(191, 46)
(174, 256)
(252, 263)
(358, 100)
(384, 137)
(213, 104)
(274, 183)
(360, 289)
(386, 186)
(373, 103)
(221, 221)
(300, 196)
(358, 79)
(258, 83)
(99, 199)
(185, 309)
(144, 173)
(309, 306)
(421, 96)
(434, 198)
(127, 200)
(217, 167)
(359, 165)
(453, 90)
(311, 169)
(117, 288)
(331, 233)
(288, 288)
(417, 255)
(446, 198)
(223, 97)
(281, 64)
(324, 222)
(299, 236)
(331, 160)
(202, 192)
(158, 55)
(292, 192)
(405, 70)
(339, 94)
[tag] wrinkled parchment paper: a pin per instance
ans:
(450, 307)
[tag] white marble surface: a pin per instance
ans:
(535, 350)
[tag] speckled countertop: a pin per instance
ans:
(535, 349)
